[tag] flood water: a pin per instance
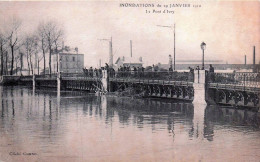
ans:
(84, 127)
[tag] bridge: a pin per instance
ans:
(235, 89)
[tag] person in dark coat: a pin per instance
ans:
(211, 73)
(86, 71)
(91, 71)
(107, 66)
(211, 69)
(191, 70)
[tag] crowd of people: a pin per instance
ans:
(123, 71)
(127, 71)
(92, 72)
(211, 69)
(211, 75)
(98, 72)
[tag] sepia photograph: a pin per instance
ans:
(152, 80)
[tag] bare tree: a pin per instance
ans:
(37, 56)
(17, 61)
(57, 43)
(17, 56)
(53, 33)
(3, 42)
(21, 54)
(29, 44)
(27, 48)
(43, 44)
(6, 62)
(13, 27)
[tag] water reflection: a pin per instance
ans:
(232, 117)
(99, 126)
(154, 113)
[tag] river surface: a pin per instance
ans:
(77, 126)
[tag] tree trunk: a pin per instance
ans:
(50, 59)
(28, 63)
(38, 67)
(31, 64)
(12, 60)
(44, 59)
(6, 63)
(21, 63)
(44, 63)
(56, 48)
(2, 61)
(16, 67)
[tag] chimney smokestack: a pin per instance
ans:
(245, 59)
(254, 59)
(131, 52)
(254, 56)
(110, 53)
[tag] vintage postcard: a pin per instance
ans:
(129, 81)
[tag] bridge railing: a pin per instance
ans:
(166, 76)
(81, 75)
(68, 75)
(238, 78)
(75, 75)
(46, 76)
(93, 73)
(26, 77)
(172, 76)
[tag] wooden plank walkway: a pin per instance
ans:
(150, 81)
(236, 87)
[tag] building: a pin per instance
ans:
(128, 61)
(69, 61)
(217, 64)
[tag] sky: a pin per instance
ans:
(230, 29)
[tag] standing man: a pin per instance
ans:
(211, 73)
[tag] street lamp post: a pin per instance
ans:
(77, 50)
(170, 62)
(171, 27)
(203, 47)
(110, 50)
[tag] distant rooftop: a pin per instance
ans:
(199, 61)
(215, 61)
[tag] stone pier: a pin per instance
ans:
(34, 83)
(199, 102)
(199, 87)
(58, 83)
(105, 84)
